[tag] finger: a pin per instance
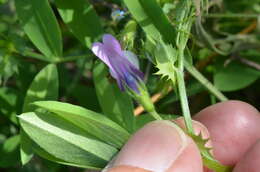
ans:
(199, 129)
(234, 126)
(159, 146)
(251, 160)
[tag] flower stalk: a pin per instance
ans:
(144, 99)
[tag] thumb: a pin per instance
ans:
(250, 160)
(160, 146)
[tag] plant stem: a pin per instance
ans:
(182, 92)
(185, 19)
(231, 15)
(76, 78)
(50, 60)
(71, 58)
(155, 115)
(196, 74)
(144, 99)
(34, 55)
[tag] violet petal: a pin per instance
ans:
(111, 43)
(123, 65)
(99, 50)
(131, 57)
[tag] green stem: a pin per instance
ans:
(71, 58)
(215, 165)
(196, 74)
(77, 77)
(49, 60)
(219, 15)
(182, 92)
(185, 20)
(155, 115)
(144, 99)
(34, 55)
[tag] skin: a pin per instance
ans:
(161, 146)
(250, 161)
(234, 127)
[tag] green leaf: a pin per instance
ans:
(93, 123)
(44, 87)
(151, 18)
(165, 56)
(26, 152)
(9, 152)
(39, 23)
(86, 97)
(64, 141)
(8, 105)
(81, 19)
(235, 76)
(117, 105)
(42, 153)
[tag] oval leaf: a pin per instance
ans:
(235, 76)
(39, 23)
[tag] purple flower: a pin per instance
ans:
(123, 65)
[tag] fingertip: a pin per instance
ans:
(250, 161)
(233, 127)
(159, 146)
(199, 129)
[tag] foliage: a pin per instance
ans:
(60, 106)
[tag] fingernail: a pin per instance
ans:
(155, 147)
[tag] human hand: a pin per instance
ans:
(161, 146)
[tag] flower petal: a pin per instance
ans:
(132, 58)
(111, 43)
(99, 50)
(123, 65)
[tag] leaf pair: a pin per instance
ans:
(40, 25)
(73, 135)
(44, 87)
